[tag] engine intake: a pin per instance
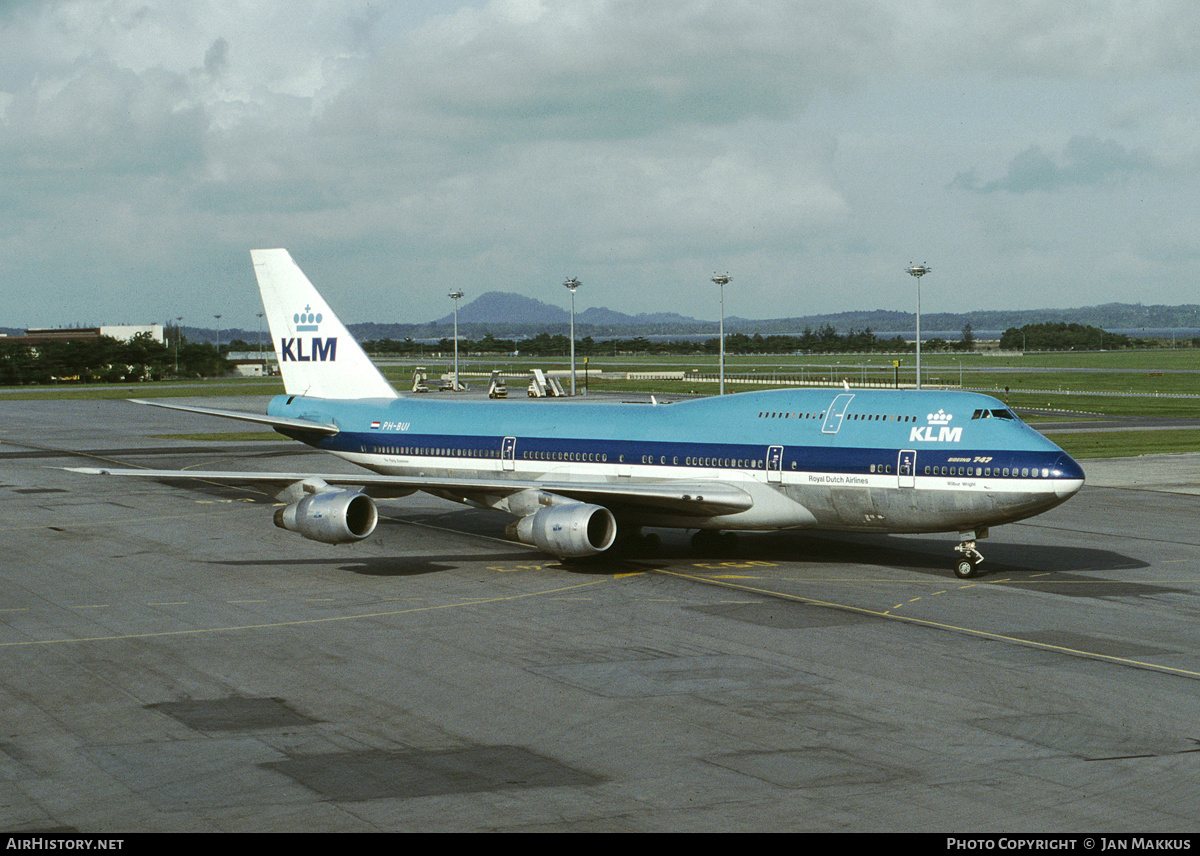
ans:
(567, 531)
(333, 517)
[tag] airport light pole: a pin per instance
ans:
(218, 317)
(456, 295)
(918, 271)
(722, 280)
(178, 340)
(571, 285)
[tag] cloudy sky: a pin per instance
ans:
(1034, 153)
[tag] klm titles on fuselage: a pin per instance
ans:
(941, 422)
(925, 434)
(314, 350)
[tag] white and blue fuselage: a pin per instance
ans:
(873, 460)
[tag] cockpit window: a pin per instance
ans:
(989, 414)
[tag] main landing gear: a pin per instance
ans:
(713, 541)
(632, 542)
(968, 565)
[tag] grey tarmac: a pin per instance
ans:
(170, 661)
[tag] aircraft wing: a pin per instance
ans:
(699, 498)
(260, 418)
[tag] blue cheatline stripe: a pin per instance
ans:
(844, 460)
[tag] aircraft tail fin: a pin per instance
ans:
(317, 355)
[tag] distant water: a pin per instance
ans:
(949, 335)
(1131, 332)
(1158, 332)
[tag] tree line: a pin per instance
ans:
(824, 340)
(1062, 336)
(1059, 336)
(107, 360)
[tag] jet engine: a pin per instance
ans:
(567, 531)
(331, 517)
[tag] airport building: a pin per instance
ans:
(122, 332)
(253, 363)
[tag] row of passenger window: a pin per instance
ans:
(987, 472)
(738, 463)
(431, 450)
(582, 457)
(878, 417)
(849, 417)
(485, 453)
(589, 457)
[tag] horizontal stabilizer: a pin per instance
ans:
(261, 418)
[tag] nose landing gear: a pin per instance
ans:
(968, 566)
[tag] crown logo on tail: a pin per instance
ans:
(307, 321)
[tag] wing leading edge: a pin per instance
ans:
(691, 498)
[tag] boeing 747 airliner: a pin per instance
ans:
(575, 476)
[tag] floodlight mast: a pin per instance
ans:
(456, 295)
(722, 280)
(572, 283)
(918, 271)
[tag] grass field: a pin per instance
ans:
(1119, 384)
(162, 389)
(1127, 444)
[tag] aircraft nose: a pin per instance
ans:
(1067, 475)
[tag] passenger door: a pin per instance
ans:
(833, 418)
(775, 464)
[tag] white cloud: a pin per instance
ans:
(523, 140)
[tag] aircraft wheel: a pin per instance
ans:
(715, 542)
(964, 570)
(635, 545)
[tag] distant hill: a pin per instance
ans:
(513, 316)
(598, 317)
(514, 309)
(509, 315)
(508, 308)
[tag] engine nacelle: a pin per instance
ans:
(567, 531)
(332, 517)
